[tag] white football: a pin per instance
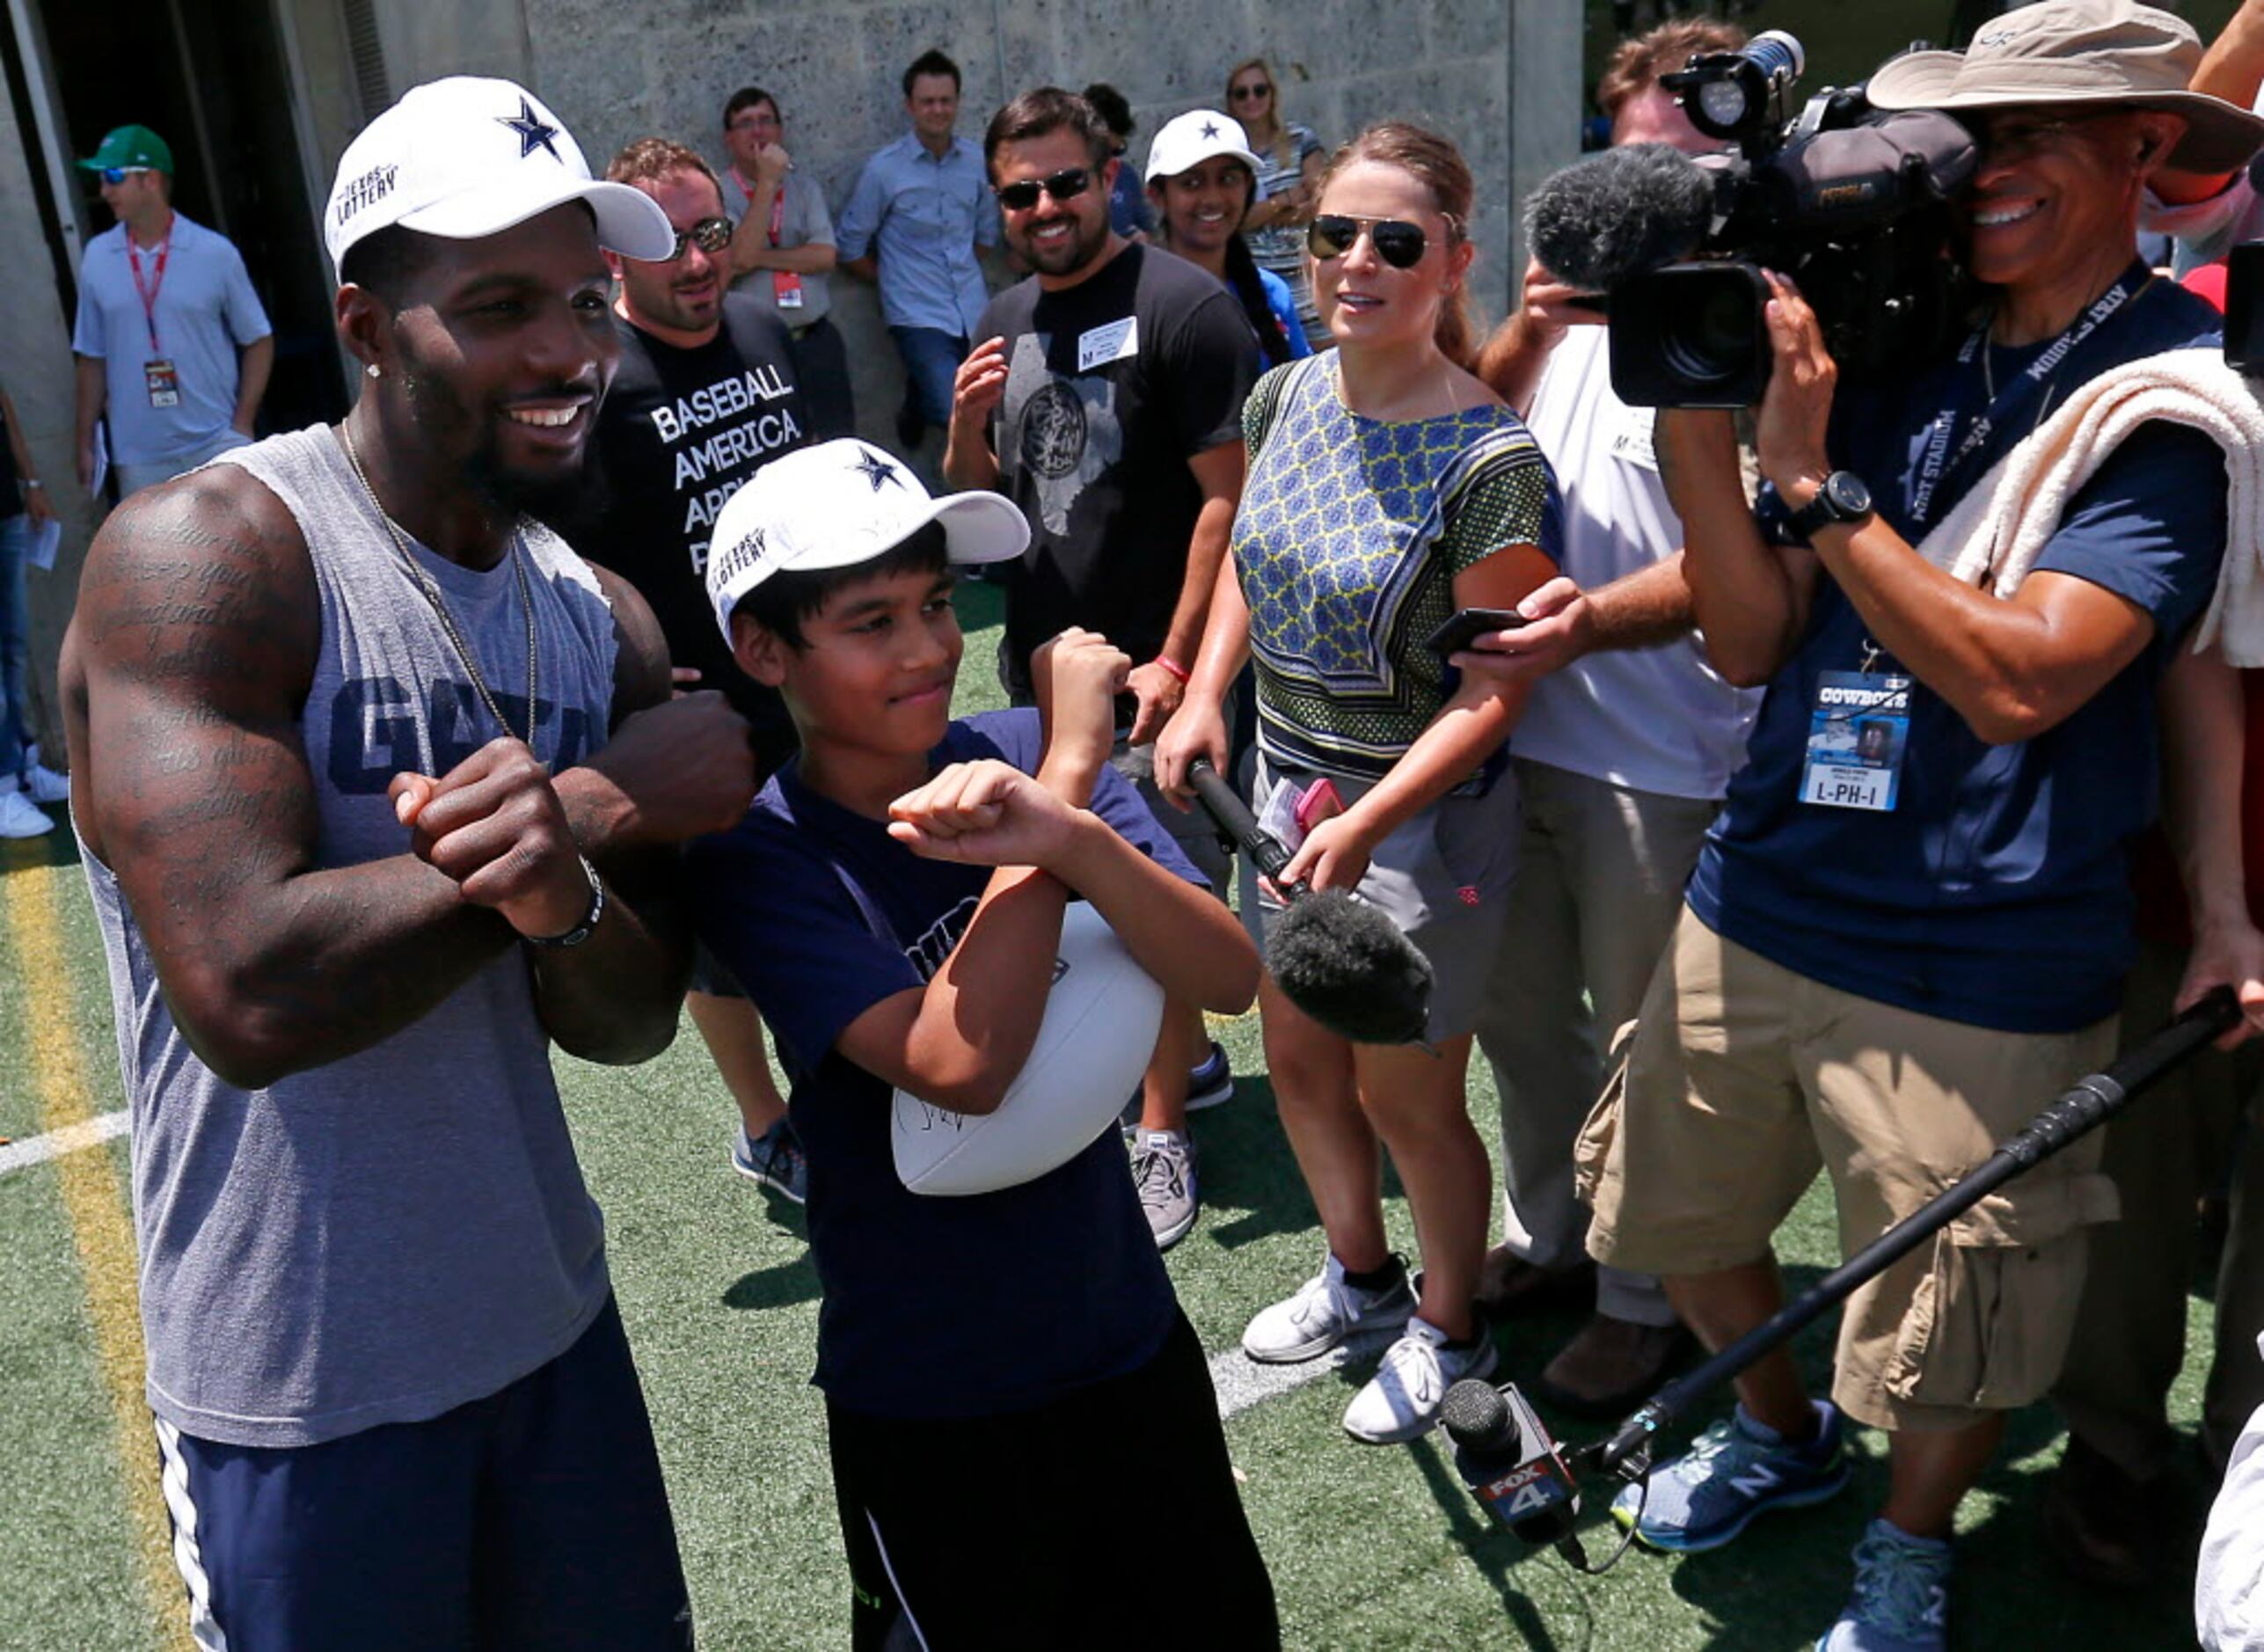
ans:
(1101, 1020)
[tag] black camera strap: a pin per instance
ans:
(2027, 397)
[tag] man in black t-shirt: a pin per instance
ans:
(1106, 400)
(705, 394)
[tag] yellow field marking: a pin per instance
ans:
(100, 1223)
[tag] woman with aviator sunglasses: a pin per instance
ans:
(1290, 161)
(1387, 489)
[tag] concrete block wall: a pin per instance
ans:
(1501, 77)
(667, 66)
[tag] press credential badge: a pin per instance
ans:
(1857, 732)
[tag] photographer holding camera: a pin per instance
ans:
(1893, 946)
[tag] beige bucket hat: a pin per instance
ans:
(2066, 53)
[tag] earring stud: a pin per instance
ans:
(374, 370)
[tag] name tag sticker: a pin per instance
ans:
(1117, 341)
(1858, 729)
(1632, 441)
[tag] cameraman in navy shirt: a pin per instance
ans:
(1896, 950)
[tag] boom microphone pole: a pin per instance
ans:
(2081, 1108)
(1527, 1481)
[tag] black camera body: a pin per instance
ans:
(1853, 204)
(2244, 309)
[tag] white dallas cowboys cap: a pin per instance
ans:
(838, 504)
(1186, 142)
(464, 157)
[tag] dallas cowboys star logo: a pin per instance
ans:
(534, 133)
(1210, 129)
(876, 470)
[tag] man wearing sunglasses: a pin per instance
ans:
(707, 394)
(1105, 399)
(173, 348)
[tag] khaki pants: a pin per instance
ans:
(1743, 1078)
(1599, 887)
(2169, 1148)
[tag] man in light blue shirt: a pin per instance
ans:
(174, 348)
(921, 207)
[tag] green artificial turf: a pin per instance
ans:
(1368, 1548)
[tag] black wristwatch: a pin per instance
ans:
(584, 930)
(1842, 498)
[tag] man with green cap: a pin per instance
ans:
(174, 348)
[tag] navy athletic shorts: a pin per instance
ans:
(1024, 1532)
(533, 1518)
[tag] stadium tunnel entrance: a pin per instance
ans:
(221, 81)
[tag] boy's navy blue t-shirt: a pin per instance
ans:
(934, 1308)
(1997, 891)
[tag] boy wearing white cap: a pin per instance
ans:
(893, 904)
(358, 861)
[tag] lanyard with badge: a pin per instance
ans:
(2004, 409)
(785, 284)
(1859, 723)
(1859, 728)
(165, 384)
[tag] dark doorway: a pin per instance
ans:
(210, 76)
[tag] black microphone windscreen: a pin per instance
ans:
(1618, 214)
(1478, 1419)
(1348, 965)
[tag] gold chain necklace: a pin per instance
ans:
(433, 595)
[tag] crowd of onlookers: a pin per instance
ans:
(1800, 817)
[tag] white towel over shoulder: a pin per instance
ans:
(2003, 523)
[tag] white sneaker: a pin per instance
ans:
(1401, 1401)
(45, 785)
(20, 817)
(1326, 1309)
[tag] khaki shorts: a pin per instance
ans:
(1741, 1079)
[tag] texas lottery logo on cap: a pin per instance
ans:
(838, 504)
(465, 157)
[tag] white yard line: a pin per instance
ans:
(37, 1150)
(1242, 1382)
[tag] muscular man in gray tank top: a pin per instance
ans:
(377, 782)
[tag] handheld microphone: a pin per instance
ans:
(1335, 957)
(1506, 1457)
(1620, 214)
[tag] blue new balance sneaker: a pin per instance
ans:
(1900, 1600)
(1735, 1470)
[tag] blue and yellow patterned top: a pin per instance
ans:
(1348, 537)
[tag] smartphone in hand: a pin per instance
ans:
(1466, 625)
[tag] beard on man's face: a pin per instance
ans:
(446, 421)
